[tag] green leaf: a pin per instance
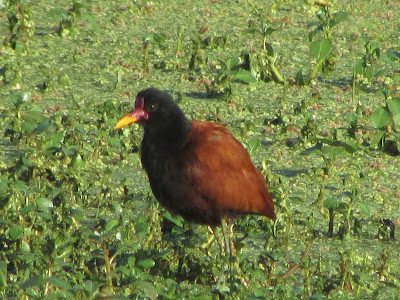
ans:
(77, 161)
(112, 224)
(115, 142)
(364, 208)
(55, 139)
(146, 263)
(3, 273)
(232, 62)
(339, 17)
(245, 75)
(364, 277)
(385, 58)
(253, 145)
(33, 280)
(394, 106)
(32, 116)
(300, 79)
(60, 283)
(332, 202)
(320, 49)
(90, 286)
(92, 22)
(42, 126)
(124, 270)
(4, 184)
(148, 288)
(358, 67)
(177, 222)
(332, 151)
(57, 14)
(396, 120)
(368, 73)
(141, 227)
(44, 204)
(351, 118)
(380, 117)
(377, 138)
(15, 231)
(20, 186)
(27, 209)
(44, 214)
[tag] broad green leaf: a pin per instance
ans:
(60, 283)
(77, 214)
(245, 75)
(351, 118)
(112, 224)
(146, 263)
(358, 67)
(141, 227)
(393, 55)
(339, 17)
(368, 73)
(33, 280)
(232, 62)
(42, 126)
(300, 79)
(124, 270)
(44, 214)
(332, 202)
(32, 116)
(90, 286)
(364, 208)
(20, 186)
(387, 59)
(177, 222)
(55, 139)
(115, 142)
(44, 204)
(15, 231)
(363, 276)
(92, 22)
(4, 183)
(77, 161)
(27, 209)
(394, 106)
(148, 288)
(3, 273)
(253, 145)
(377, 138)
(332, 151)
(396, 120)
(57, 14)
(380, 117)
(321, 49)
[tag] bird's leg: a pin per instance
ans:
(230, 250)
(224, 255)
(210, 239)
(227, 238)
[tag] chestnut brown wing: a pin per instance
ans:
(221, 172)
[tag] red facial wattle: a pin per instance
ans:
(134, 116)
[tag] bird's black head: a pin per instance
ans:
(154, 110)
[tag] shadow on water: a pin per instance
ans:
(8, 151)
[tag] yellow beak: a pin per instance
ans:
(134, 116)
(128, 119)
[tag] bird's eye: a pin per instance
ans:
(152, 107)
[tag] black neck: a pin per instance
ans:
(169, 137)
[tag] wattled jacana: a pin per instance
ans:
(196, 169)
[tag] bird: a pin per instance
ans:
(196, 169)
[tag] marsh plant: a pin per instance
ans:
(321, 49)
